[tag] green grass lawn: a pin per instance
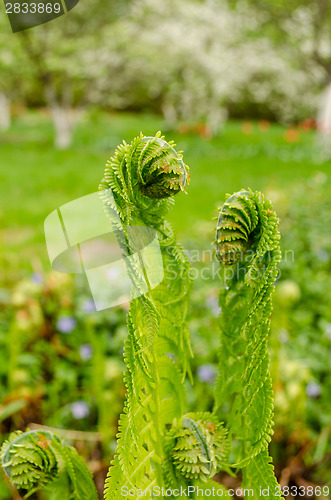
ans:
(36, 179)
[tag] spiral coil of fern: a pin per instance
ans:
(247, 246)
(37, 459)
(143, 177)
(161, 169)
(197, 448)
(233, 229)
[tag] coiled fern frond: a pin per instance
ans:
(36, 460)
(143, 176)
(247, 245)
(197, 448)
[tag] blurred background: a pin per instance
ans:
(244, 90)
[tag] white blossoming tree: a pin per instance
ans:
(190, 60)
(301, 31)
(193, 61)
(53, 54)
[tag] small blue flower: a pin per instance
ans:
(86, 352)
(89, 306)
(37, 278)
(207, 373)
(79, 410)
(65, 324)
(313, 390)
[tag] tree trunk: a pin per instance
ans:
(324, 123)
(63, 114)
(63, 125)
(216, 119)
(5, 116)
(169, 114)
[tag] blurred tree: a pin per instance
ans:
(54, 53)
(163, 58)
(303, 29)
(193, 61)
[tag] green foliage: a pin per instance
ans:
(45, 380)
(38, 459)
(247, 244)
(301, 325)
(52, 352)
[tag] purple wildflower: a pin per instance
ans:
(79, 410)
(37, 278)
(207, 373)
(313, 390)
(89, 306)
(65, 324)
(86, 352)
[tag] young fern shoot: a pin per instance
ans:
(143, 177)
(247, 245)
(39, 460)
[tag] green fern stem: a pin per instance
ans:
(143, 177)
(247, 245)
(37, 460)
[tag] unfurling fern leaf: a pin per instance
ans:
(247, 245)
(143, 176)
(36, 460)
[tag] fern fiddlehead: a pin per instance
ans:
(37, 460)
(197, 448)
(247, 245)
(143, 177)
